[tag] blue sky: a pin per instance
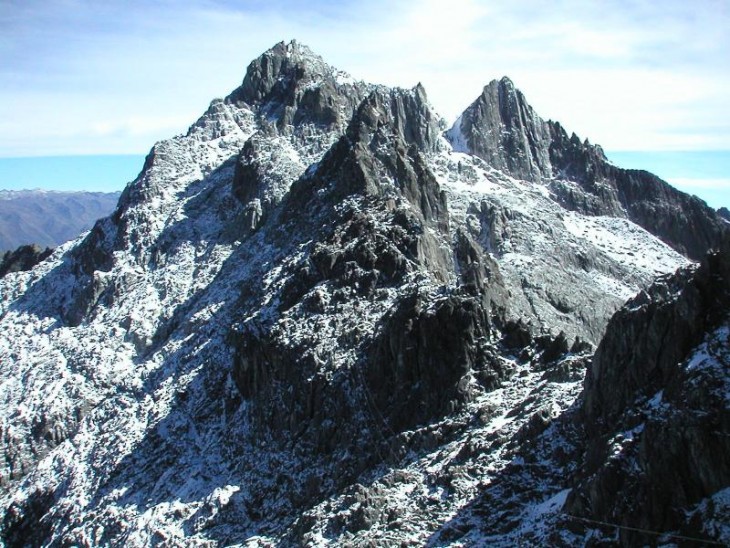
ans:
(87, 78)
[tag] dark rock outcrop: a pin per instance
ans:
(297, 95)
(503, 129)
(382, 149)
(426, 355)
(379, 156)
(683, 221)
(391, 227)
(23, 258)
(648, 337)
(296, 87)
(655, 407)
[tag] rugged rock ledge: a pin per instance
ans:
(656, 409)
(22, 259)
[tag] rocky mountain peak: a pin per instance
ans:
(502, 128)
(381, 154)
(405, 114)
(293, 85)
(281, 62)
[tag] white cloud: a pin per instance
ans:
(635, 75)
(701, 184)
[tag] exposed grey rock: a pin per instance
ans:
(402, 233)
(383, 147)
(427, 354)
(296, 94)
(656, 410)
(501, 128)
(23, 258)
(295, 87)
(652, 333)
(308, 323)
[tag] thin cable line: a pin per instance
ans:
(638, 530)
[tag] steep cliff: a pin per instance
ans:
(657, 412)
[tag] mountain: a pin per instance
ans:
(501, 128)
(320, 317)
(49, 218)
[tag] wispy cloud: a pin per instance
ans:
(629, 74)
(702, 184)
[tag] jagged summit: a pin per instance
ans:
(284, 61)
(504, 130)
(501, 128)
(295, 86)
(311, 321)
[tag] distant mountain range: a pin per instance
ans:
(49, 218)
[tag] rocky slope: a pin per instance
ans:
(48, 218)
(312, 320)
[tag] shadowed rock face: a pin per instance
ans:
(655, 405)
(297, 87)
(652, 333)
(503, 129)
(23, 258)
(381, 153)
(299, 97)
(427, 354)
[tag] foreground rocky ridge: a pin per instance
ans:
(311, 320)
(656, 409)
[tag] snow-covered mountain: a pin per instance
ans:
(320, 317)
(49, 218)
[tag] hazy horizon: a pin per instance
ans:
(701, 173)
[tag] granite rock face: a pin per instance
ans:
(653, 333)
(501, 128)
(390, 229)
(300, 98)
(656, 409)
(312, 321)
(297, 88)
